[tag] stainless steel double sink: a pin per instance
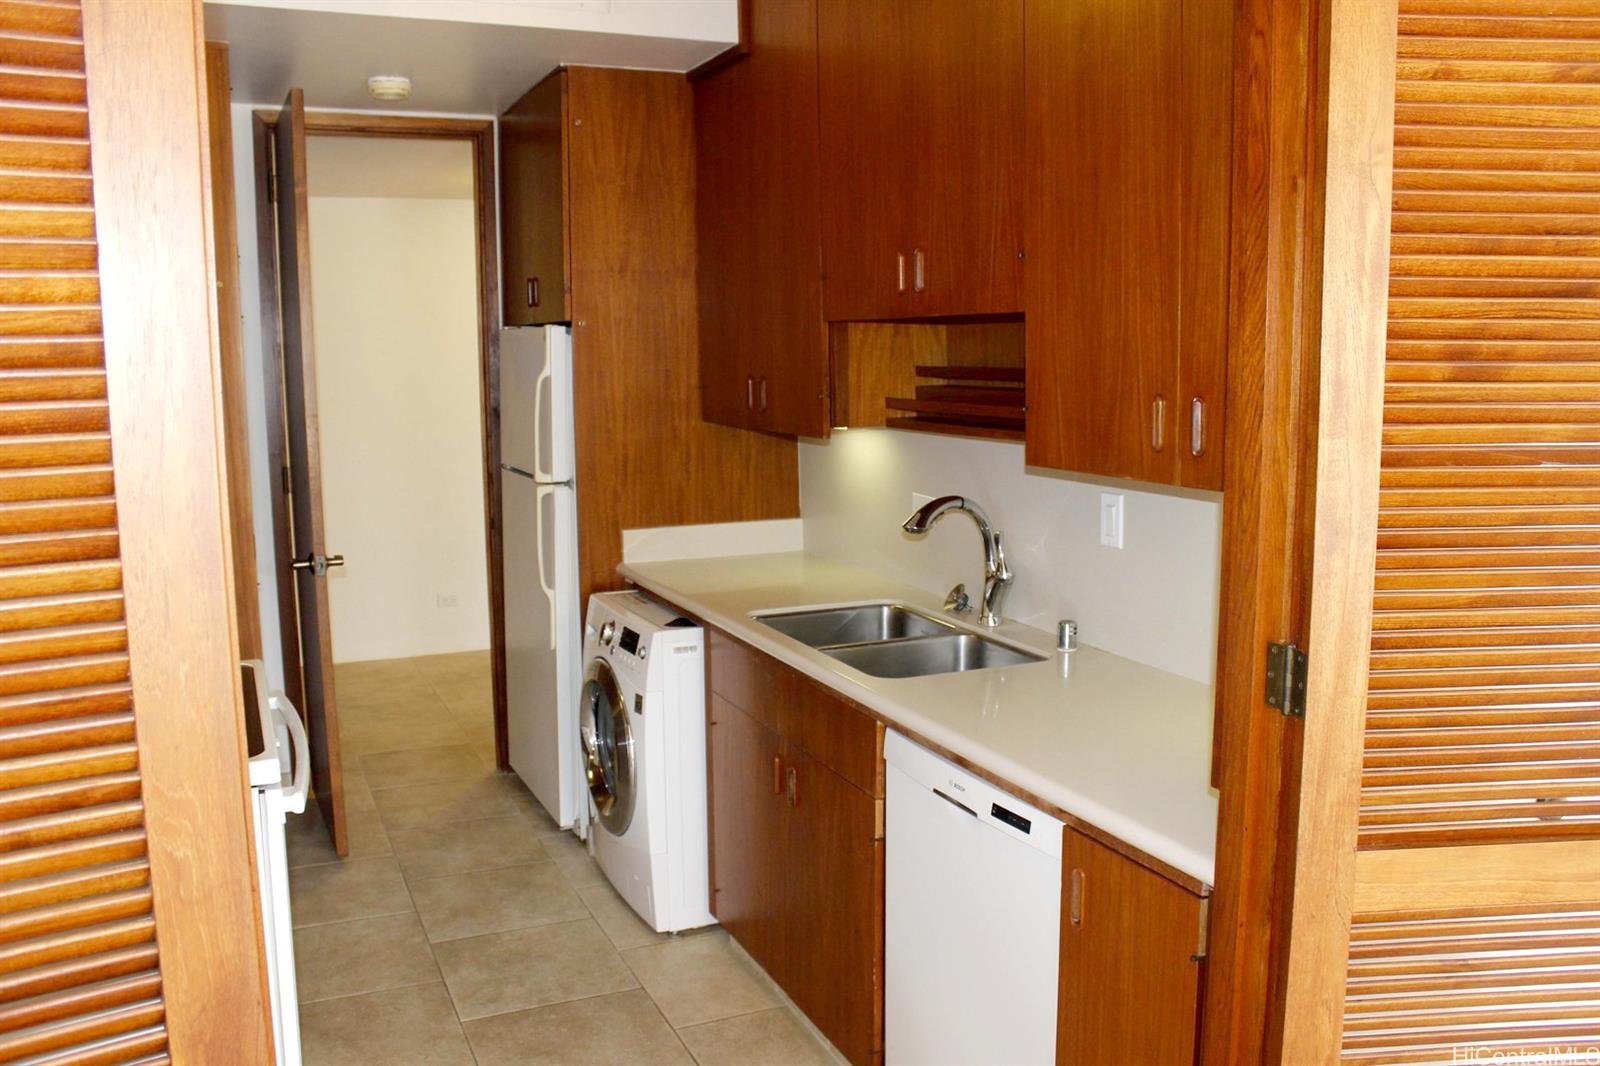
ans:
(893, 640)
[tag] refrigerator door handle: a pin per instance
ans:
(539, 494)
(539, 385)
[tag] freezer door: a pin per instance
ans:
(542, 649)
(536, 432)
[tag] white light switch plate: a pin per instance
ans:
(1111, 519)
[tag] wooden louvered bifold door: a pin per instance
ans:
(79, 975)
(1477, 918)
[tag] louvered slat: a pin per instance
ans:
(80, 979)
(1422, 987)
(1488, 585)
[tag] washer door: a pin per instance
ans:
(607, 739)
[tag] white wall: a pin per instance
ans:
(394, 292)
(1155, 600)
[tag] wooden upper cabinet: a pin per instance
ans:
(1130, 980)
(864, 53)
(1128, 169)
(535, 242)
(763, 343)
(967, 136)
(922, 128)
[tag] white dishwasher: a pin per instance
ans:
(972, 917)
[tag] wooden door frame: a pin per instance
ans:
(157, 270)
(480, 133)
(1307, 318)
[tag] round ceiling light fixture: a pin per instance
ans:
(389, 86)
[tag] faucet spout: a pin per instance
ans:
(996, 573)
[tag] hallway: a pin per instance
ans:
(465, 927)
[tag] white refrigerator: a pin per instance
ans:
(544, 638)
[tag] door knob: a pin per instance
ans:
(318, 563)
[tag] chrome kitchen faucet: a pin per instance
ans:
(996, 574)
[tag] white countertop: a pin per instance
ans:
(1119, 745)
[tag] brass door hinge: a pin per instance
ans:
(1286, 679)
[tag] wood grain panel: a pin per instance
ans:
(76, 922)
(644, 456)
(1483, 711)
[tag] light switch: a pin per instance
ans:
(1111, 519)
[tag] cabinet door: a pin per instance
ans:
(750, 865)
(866, 65)
(1103, 236)
(966, 135)
(836, 907)
(725, 233)
(763, 343)
(533, 206)
(1207, 107)
(1130, 987)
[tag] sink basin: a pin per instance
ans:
(955, 653)
(855, 625)
(892, 640)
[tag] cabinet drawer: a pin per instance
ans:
(807, 715)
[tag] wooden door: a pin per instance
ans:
(130, 926)
(763, 344)
(315, 633)
(1104, 212)
(964, 133)
(750, 863)
(865, 63)
(534, 217)
(1130, 983)
(1462, 839)
(834, 873)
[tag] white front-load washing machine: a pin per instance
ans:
(642, 725)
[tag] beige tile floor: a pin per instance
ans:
(465, 927)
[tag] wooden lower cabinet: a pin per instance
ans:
(796, 846)
(1130, 979)
(749, 822)
(835, 890)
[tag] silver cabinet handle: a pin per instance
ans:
(900, 272)
(919, 274)
(750, 393)
(533, 292)
(763, 394)
(1197, 426)
(1158, 418)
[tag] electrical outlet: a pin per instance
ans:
(447, 600)
(1111, 519)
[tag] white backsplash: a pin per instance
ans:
(1154, 600)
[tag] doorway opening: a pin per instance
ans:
(382, 421)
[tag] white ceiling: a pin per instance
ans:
(389, 167)
(476, 61)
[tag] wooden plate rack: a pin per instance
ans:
(972, 401)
